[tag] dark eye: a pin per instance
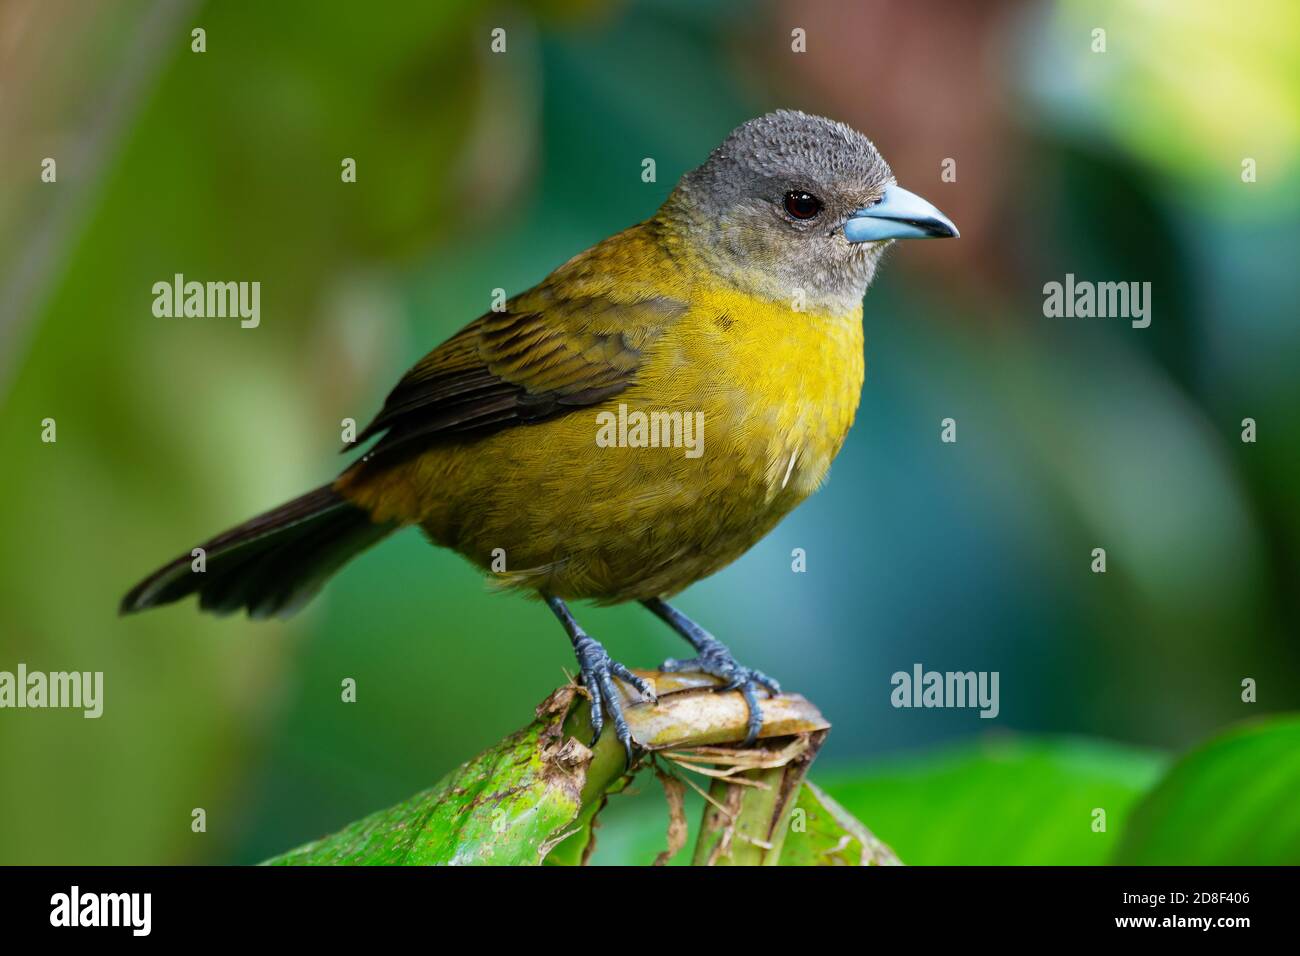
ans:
(802, 205)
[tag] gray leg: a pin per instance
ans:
(598, 671)
(715, 659)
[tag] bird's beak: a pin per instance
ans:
(899, 215)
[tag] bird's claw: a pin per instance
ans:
(598, 671)
(717, 661)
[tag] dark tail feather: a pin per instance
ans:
(272, 564)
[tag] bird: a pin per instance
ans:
(630, 425)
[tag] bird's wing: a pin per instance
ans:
(546, 354)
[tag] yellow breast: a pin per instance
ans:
(778, 389)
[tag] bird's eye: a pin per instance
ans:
(802, 205)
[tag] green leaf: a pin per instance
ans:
(825, 834)
(1232, 801)
(1002, 802)
(509, 805)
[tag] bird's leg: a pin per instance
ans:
(715, 659)
(598, 671)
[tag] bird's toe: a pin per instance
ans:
(598, 671)
(717, 661)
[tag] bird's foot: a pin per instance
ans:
(716, 660)
(598, 671)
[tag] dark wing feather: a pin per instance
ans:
(540, 358)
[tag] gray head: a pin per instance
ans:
(797, 202)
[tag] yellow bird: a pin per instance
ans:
(634, 423)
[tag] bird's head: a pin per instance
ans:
(795, 205)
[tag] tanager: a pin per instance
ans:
(631, 424)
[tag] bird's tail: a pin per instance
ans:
(272, 564)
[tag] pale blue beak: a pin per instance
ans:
(899, 215)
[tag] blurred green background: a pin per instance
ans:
(478, 170)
